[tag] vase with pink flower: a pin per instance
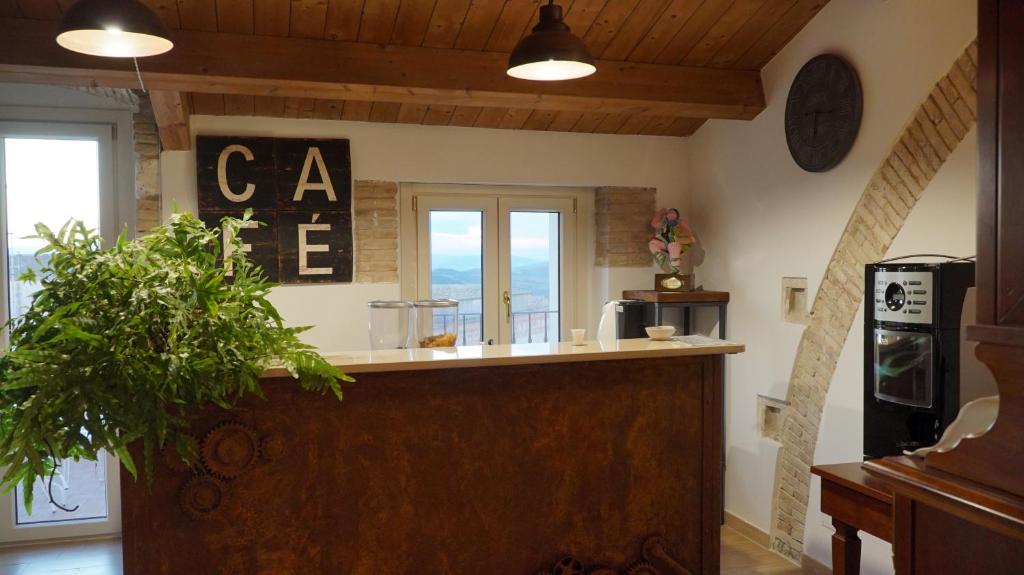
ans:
(672, 239)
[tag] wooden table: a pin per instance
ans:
(856, 501)
(685, 300)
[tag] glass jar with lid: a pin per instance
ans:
(390, 324)
(437, 322)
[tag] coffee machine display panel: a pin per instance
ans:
(904, 297)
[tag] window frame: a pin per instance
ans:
(579, 262)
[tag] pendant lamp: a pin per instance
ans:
(113, 28)
(551, 52)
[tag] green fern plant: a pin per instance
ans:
(120, 345)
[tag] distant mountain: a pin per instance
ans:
(455, 262)
(528, 276)
(455, 277)
(468, 262)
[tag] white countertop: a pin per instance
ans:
(512, 354)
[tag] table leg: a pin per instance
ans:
(657, 313)
(687, 326)
(721, 321)
(845, 549)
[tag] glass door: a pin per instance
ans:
(50, 174)
(506, 256)
(535, 281)
(456, 260)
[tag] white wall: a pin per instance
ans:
(763, 218)
(433, 154)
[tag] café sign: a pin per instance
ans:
(301, 191)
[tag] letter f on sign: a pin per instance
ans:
(229, 247)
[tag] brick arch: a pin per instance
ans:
(937, 127)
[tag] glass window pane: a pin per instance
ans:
(36, 192)
(456, 268)
(81, 484)
(534, 246)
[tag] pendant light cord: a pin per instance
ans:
(138, 74)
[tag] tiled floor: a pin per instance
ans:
(740, 556)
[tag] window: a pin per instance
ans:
(51, 173)
(507, 255)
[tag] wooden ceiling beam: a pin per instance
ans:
(171, 110)
(206, 62)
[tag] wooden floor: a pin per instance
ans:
(740, 556)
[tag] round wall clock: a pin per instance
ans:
(823, 113)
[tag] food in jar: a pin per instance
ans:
(441, 340)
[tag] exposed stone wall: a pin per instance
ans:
(375, 231)
(934, 131)
(622, 226)
(147, 166)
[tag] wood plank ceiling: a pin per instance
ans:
(720, 34)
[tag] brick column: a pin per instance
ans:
(622, 226)
(375, 231)
(933, 132)
(146, 143)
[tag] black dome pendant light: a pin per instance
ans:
(113, 28)
(551, 52)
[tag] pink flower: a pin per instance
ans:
(656, 245)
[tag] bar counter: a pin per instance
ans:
(513, 354)
(519, 459)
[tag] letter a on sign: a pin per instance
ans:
(313, 155)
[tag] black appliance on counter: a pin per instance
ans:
(631, 319)
(912, 340)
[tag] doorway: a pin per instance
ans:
(85, 493)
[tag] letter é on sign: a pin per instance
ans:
(222, 173)
(313, 155)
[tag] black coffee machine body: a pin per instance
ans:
(912, 339)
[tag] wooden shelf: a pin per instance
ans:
(677, 296)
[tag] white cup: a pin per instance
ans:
(578, 335)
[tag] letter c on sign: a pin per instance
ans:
(222, 173)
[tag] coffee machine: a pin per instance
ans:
(912, 353)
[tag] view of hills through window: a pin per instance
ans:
(457, 266)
